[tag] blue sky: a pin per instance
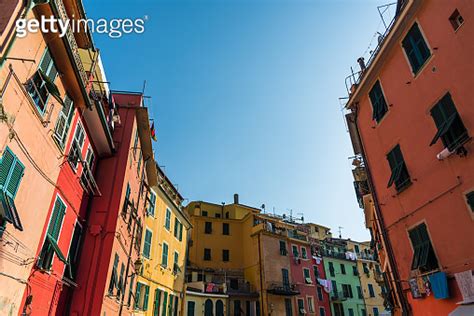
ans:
(245, 97)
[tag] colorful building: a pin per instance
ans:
(160, 284)
(109, 260)
(219, 260)
(419, 180)
(341, 270)
(371, 279)
(53, 133)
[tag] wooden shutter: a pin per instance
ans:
(56, 220)
(15, 178)
(45, 61)
(145, 299)
(137, 295)
(5, 166)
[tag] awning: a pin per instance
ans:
(463, 310)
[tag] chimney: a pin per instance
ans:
(236, 198)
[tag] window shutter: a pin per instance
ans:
(470, 200)
(6, 163)
(45, 61)
(180, 232)
(176, 223)
(56, 219)
(137, 295)
(145, 301)
(15, 178)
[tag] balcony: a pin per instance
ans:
(338, 296)
(336, 254)
(284, 289)
(241, 289)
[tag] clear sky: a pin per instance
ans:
(245, 97)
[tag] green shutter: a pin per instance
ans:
(137, 295)
(15, 177)
(45, 61)
(180, 232)
(145, 300)
(165, 303)
(5, 166)
(147, 243)
(164, 257)
(156, 304)
(56, 220)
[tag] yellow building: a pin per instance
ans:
(318, 232)
(370, 276)
(160, 285)
(222, 275)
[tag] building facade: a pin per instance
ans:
(419, 180)
(160, 284)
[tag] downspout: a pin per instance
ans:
(262, 272)
(391, 258)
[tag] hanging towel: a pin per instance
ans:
(439, 285)
(465, 281)
(415, 291)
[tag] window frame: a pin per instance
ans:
(379, 111)
(147, 230)
(168, 219)
(207, 256)
(416, 72)
(418, 251)
(399, 174)
(164, 254)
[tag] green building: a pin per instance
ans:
(341, 269)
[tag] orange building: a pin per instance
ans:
(411, 121)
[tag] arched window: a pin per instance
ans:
(219, 308)
(208, 307)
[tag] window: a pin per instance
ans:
(63, 123)
(87, 179)
(164, 255)
(376, 311)
(73, 252)
(343, 269)
(207, 254)
(237, 309)
(130, 290)
(283, 250)
(304, 255)
(138, 234)
(191, 308)
(322, 311)
(356, 248)
(301, 309)
(363, 312)
(168, 219)
(247, 309)
(359, 293)
(347, 290)
(225, 228)
(147, 243)
(234, 284)
(165, 303)
(177, 229)
(307, 276)
(450, 127)
(225, 255)
(135, 144)
(204, 213)
(285, 277)
(331, 269)
(355, 272)
(351, 312)
(316, 272)
(50, 246)
(456, 20)
(176, 267)
(121, 282)
(295, 251)
(424, 257)
(379, 105)
(311, 304)
(399, 175)
(152, 203)
(334, 287)
(141, 296)
(217, 215)
(75, 152)
(157, 302)
(288, 307)
(416, 49)
(371, 290)
(320, 294)
(365, 267)
(208, 228)
(470, 200)
(114, 275)
(11, 173)
(41, 85)
(338, 309)
(180, 237)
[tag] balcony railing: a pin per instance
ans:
(339, 296)
(336, 254)
(59, 5)
(285, 289)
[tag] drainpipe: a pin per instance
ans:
(263, 307)
(391, 258)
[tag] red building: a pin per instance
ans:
(109, 258)
(411, 121)
(306, 269)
